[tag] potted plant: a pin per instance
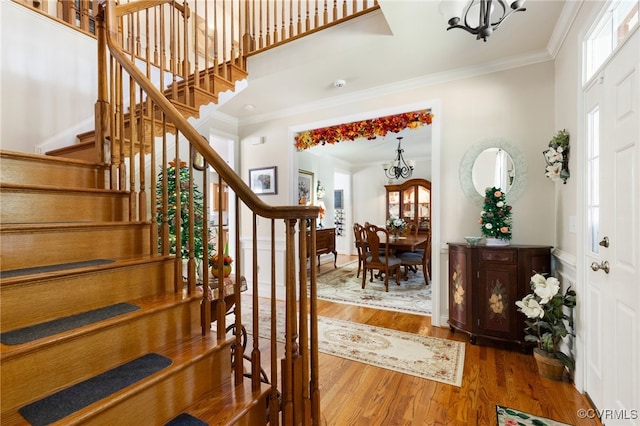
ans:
(548, 323)
(495, 218)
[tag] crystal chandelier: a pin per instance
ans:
(398, 167)
(480, 17)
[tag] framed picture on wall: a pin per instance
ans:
(338, 199)
(305, 187)
(263, 181)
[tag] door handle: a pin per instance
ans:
(604, 242)
(604, 265)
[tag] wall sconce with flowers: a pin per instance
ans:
(557, 157)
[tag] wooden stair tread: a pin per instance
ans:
(20, 227)
(223, 406)
(147, 305)
(117, 263)
(5, 154)
(32, 187)
(78, 146)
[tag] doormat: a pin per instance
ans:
(511, 417)
(67, 401)
(59, 325)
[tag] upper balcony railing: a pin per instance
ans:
(225, 29)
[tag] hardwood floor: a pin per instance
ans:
(494, 374)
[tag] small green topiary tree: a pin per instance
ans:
(495, 219)
(184, 211)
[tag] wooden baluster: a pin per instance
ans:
(299, 27)
(237, 291)
(206, 255)
(216, 46)
(283, 33)
(274, 403)
(178, 283)
(303, 315)
(220, 245)
(142, 194)
(191, 263)
(232, 54)
(84, 15)
(267, 41)
(207, 50)
(137, 26)
(133, 135)
(122, 171)
(164, 230)
(255, 352)
(326, 13)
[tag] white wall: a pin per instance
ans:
(43, 102)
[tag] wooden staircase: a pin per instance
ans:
(54, 211)
(186, 95)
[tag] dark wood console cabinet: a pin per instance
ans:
(325, 243)
(484, 284)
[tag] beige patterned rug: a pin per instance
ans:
(342, 286)
(431, 358)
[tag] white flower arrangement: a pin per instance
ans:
(557, 157)
(396, 224)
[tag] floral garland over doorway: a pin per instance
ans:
(369, 129)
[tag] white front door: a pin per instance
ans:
(612, 299)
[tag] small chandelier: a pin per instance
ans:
(398, 168)
(482, 12)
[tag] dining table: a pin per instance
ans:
(405, 242)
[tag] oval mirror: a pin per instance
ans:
(478, 170)
(493, 167)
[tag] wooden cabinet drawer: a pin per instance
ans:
(498, 255)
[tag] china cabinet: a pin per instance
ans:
(484, 284)
(411, 201)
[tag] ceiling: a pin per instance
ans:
(404, 44)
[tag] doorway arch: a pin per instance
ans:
(439, 297)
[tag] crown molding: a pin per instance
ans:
(406, 85)
(563, 26)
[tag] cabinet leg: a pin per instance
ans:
(335, 259)
(451, 329)
(472, 339)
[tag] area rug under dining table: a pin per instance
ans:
(342, 286)
(428, 357)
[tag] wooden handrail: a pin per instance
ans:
(139, 5)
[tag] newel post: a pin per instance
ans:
(102, 107)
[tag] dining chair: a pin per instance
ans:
(421, 257)
(360, 242)
(384, 263)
